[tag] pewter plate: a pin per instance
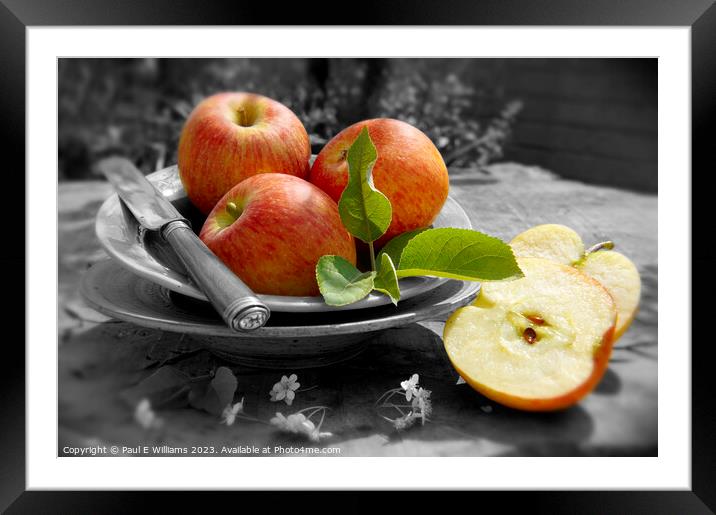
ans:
(289, 340)
(146, 255)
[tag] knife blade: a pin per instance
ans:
(235, 302)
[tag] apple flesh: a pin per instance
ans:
(271, 230)
(613, 270)
(409, 171)
(555, 242)
(232, 136)
(538, 343)
(620, 277)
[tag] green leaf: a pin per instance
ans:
(213, 396)
(340, 282)
(386, 280)
(364, 210)
(394, 248)
(166, 388)
(458, 254)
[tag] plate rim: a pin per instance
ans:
(91, 293)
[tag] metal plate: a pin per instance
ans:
(292, 340)
(145, 254)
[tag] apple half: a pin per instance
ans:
(613, 270)
(538, 343)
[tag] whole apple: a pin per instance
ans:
(232, 136)
(271, 230)
(409, 171)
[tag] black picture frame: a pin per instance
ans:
(17, 15)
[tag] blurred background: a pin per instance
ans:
(593, 120)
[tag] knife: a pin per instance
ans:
(236, 303)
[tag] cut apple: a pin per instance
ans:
(621, 278)
(549, 241)
(613, 270)
(538, 343)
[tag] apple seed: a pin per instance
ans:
(535, 319)
(529, 335)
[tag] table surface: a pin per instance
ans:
(100, 358)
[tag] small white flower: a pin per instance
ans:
(145, 416)
(404, 422)
(422, 405)
(294, 423)
(309, 429)
(228, 416)
(280, 422)
(285, 389)
(297, 423)
(316, 436)
(410, 386)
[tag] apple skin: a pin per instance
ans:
(409, 171)
(620, 276)
(285, 225)
(231, 136)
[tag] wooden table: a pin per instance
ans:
(100, 358)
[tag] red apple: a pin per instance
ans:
(231, 136)
(409, 171)
(271, 230)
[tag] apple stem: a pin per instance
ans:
(608, 245)
(372, 256)
(233, 210)
(242, 116)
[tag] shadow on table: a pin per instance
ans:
(641, 339)
(610, 384)
(459, 412)
(101, 362)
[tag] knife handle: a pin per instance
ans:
(235, 302)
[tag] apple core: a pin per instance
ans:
(613, 270)
(537, 343)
